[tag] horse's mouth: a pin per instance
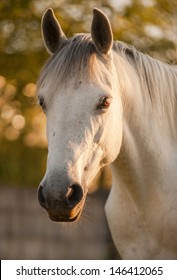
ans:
(60, 216)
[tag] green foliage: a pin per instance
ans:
(149, 25)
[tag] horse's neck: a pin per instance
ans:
(141, 207)
(144, 158)
(149, 144)
(143, 194)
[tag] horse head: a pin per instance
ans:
(78, 91)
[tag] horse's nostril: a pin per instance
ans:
(74, 195)
(41, 197)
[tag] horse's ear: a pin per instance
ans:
(52, 33)
(101, 31)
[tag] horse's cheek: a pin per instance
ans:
(112, 145)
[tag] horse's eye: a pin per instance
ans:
(104, 103)
(42, 103)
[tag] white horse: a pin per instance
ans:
(107, 103)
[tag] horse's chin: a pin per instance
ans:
(72, 216)
(68, 218)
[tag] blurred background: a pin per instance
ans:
(25, 230)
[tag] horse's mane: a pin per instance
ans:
(158, 81)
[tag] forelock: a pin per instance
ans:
(77, 58)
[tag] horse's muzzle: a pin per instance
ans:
(65, 207)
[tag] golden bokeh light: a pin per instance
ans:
(18, 122)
